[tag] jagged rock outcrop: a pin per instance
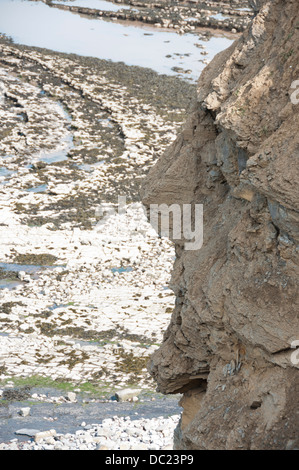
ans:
(228, 347)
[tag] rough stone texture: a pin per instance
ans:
(228, 346)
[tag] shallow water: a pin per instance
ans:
(28, 268)
(58, 155)
(9, 284)
(69, 416)
(5, 172)
(122, 270)
(38, 189)
(97, 4)
(220, 17)
(244, 9)
(12, 282)
(36, 24)
(90, 168)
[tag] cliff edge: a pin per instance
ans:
(229, 348)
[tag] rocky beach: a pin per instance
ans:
(84, 298)
(93, 300)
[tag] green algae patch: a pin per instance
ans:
(22, 385)
(128, 363)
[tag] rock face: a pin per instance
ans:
(228, 347)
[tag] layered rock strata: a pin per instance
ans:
(230, 345)
(182, 17)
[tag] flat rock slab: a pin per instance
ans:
(127, 394)
(27, 432)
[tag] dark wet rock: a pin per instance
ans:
(39, 165)
(16, 394)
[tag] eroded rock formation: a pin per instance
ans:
(228, 347)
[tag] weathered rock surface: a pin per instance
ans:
(229, 344)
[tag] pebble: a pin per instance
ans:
(117, 433)
(71, 396)
(44, 435)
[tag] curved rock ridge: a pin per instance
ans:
(230, 345)
(225, 15)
